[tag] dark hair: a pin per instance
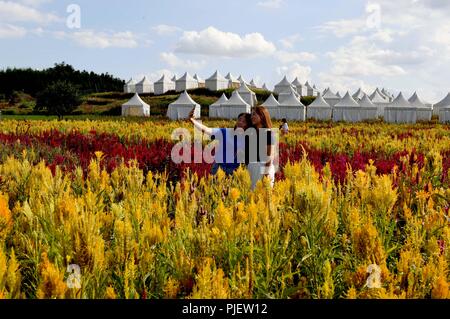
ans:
(248, 119)
(284, 120)
(264, 115)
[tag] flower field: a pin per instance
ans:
(358, 211)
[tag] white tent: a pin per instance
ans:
(424, 112)
(264, 87)
(444, 114)
(358, 95)
(292, 109)
(163, 85)
(283, 86)
(215, 109)
(174, 79)
(247, 95)
(387, 94)
(319, 109)
(144, 86)
(400, 111)
(301, 89)
(379, 101)
(233, 83)
(130, 87)
(338, 95)
(443, 103)
(272, 105)
(135, 107)
(234, 106)
(347, 110)
(253, 84)
(368, 110)
(311, 91)
(331, 98)
(200, 82)
(378, 92)
(287, 93)
(241, 79)
(216, 82)
(186, 82)
(181, 108)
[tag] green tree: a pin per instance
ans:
(58, 98)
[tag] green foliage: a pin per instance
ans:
(34, 81)
(307, 100)
(59, 98)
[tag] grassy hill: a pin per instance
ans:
(109, 103)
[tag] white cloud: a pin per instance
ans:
(271, 4)
(288, 57)
(175, 62)
(92, 39)
(11, 31)
(295, 70)
(213, 42)
(361, 58)
(165, 30)
(343, 28)
(290, 41)
(35, 3)
(16, 12)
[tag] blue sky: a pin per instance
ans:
(402, 45)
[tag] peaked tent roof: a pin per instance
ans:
(184, 99)
(291, 100)
(296, 82)
(163, 79)
(229, 76)
(221, 100)
(244, 88)
(187, 77)
(216, 76)
(400, 101)
(328, 94)
(359, 94)
(444, 102)
(338, 94)
(366, 102)
(319, 102)
(265, 87)
(416, 101)
(252, 83)
(308, 85)
(144, 81)
(284, 82)
(174, 78)
(271, 102)
(130, 82)
(135, 100)
(241, 79)
(376, 97)
(199, 79)
(347, 100)
(235, 99)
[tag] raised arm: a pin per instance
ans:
(199, 125)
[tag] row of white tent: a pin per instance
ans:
(215, 82)
(329, 106)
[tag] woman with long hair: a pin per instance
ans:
(262, 151)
